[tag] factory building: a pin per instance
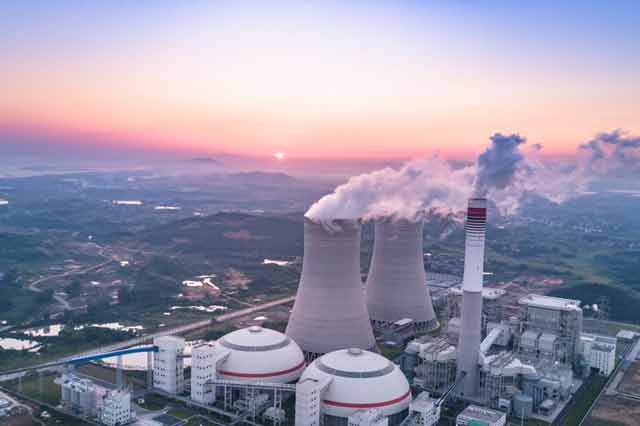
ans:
(79, 394)
(203, 372)
(435, 364)
(395, 287)
(474, 415)
(342, 383)
(423, 411)
(116, 408)
(599, 352)
(83, 397)
(168, 364)
(330, 312)
(550, 329)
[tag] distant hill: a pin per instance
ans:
(231, 232)
(263, 178)
(204, 160)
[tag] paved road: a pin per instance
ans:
(12, 374)
(15, 402)
(33, 286)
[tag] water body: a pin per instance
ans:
(46, 331)
(139, 361)
(275, 262)
(17, 344)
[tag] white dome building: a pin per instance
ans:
(260, 354)
(358, 380)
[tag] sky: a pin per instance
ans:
(314, 79)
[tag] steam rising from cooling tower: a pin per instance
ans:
(470, 327)
(396, 284)
(501, 172)
(330, 312)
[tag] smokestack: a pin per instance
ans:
(469, 338)
(329, 312)
(396, 284)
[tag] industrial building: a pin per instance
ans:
(474, 415)
(330, 312)
(83, 397)
(168, 364)
(395, 287)
(550, 329)
(599, 352)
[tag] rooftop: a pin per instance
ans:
(479, 413)
(548, 302)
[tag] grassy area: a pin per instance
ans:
(153, 402)
(182, 412)
(51, 393)
(580, 405)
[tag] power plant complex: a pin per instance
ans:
(328, 368)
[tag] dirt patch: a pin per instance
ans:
(631, 380)
(615, 411)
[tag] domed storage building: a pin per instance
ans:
(252, 354)
(343, 382)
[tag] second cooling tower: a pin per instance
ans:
(330, 312)
(396, 284)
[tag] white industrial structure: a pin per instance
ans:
(116, 408)
(203, 371)
(395, 288)
(550, 328)
(599, 352)
(168, 364)
(330, 311)
(84, 397)
(471, 324)
(341, 383)
(260, 354)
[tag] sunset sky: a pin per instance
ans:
(325, 79)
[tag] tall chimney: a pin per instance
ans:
(396, 284)
(469, 338)
(330, 312)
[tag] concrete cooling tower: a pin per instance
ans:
(396, 285)
(330, 312)
(470, 326)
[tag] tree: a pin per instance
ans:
(10, 278)
(74, 288)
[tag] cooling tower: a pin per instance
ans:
(396, 285)
(469, 337)
(330, 312)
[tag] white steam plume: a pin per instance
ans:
(501, 172)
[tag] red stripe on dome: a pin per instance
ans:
(367, 405)
(261, 375)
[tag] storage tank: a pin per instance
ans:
(260, 354)
(522, 406)
(330, 311)
(359, 380)
(396, 284)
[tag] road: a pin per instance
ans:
(13, 374)
(17, 403)
(33, 286)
